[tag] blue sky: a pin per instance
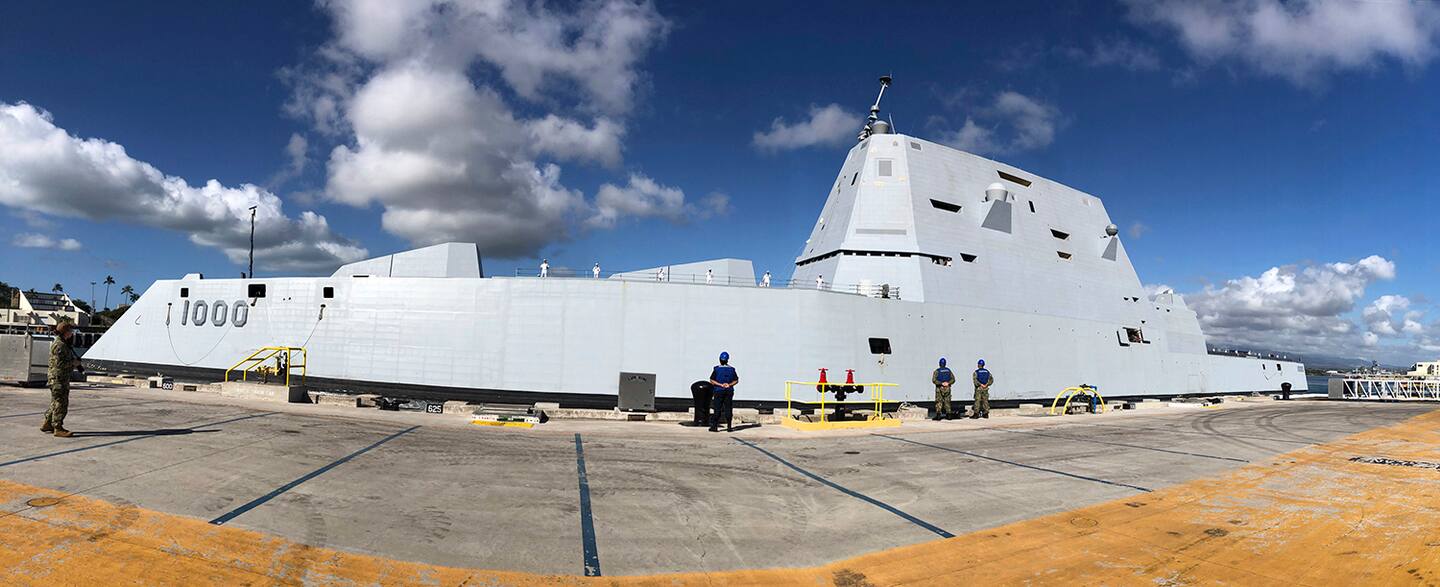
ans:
(1227, 138)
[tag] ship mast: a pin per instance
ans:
(870, 127)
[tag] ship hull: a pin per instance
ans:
(524, 339)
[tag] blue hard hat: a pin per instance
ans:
(724, 356)
(942, 361)
(981, 363)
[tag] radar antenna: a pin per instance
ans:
(874, 111)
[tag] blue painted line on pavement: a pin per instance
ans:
(1021, 465)
(1151, 448)
(123, 441)
(587, 521)
(852, 493)
(259, 501)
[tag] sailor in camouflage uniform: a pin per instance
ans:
(62, 363)
(943, 378)
(983, 379)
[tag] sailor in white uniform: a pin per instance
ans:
(544, 268)
(709, 276)
(765, 280)
(819, 282)
(596, 270)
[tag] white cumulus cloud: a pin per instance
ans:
(1293, 308)
(643, 197)
(32, 240)
(416, 92)
(1010, 123)
(45, 170)
(828, 125)
(1299, 40)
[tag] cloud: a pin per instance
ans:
(828, 125)
(39, 241)
(45, 170)
(297, 153)
(1391, 316)
(1118, 52)
(1138, 229)
(419, 93)
(1012, 122)
(643, 197)
(1292, 308)
(1299, 41)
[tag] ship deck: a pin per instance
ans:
(182, 489)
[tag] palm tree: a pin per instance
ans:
(58, 288)
(129, 293)
(109, 281)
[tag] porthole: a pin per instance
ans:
(220, 311)
(202, 311)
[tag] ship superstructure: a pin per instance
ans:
(920, 251)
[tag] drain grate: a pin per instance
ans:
(1396, 462)
(42, 502)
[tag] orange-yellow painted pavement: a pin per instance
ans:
(1309, 517)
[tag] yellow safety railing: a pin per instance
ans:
(284, 361)
(876, 391)
(1069, 394)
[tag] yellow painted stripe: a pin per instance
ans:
(1310, 517)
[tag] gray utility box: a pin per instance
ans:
(24, 359)
(637, 392)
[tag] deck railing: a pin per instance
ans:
(873, 290)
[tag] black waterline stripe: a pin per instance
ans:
(232, 514)
(1177, 452)
(123, 441)
(1022, 465)
(852, 493)
(587, 522)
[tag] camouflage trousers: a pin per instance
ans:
(982, 401)
(942, 400)
(59, 403)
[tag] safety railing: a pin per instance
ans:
(875, 391)
(1379, 387)
(873, 290)
(1069, 394)
(284, 357)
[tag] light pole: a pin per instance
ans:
(252, 242)
(92, 296)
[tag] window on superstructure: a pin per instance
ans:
(967, 257)
(1134, 335)
(852, 179)
(915, 145)
(184, 292)
(1032, 205)
(946, 206)
(255, 290)
(1059, 234)
(879, 346)
(1014, 178)
(328, 292)
(1063, 255)
(886, 167)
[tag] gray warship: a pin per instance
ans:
(920, 251)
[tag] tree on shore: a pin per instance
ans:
(109, 281)
(57, 288)
(129, 293)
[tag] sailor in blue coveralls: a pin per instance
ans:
(723, 378)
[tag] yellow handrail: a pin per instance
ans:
(876, 391)
(264, 354)
(1073, 391)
